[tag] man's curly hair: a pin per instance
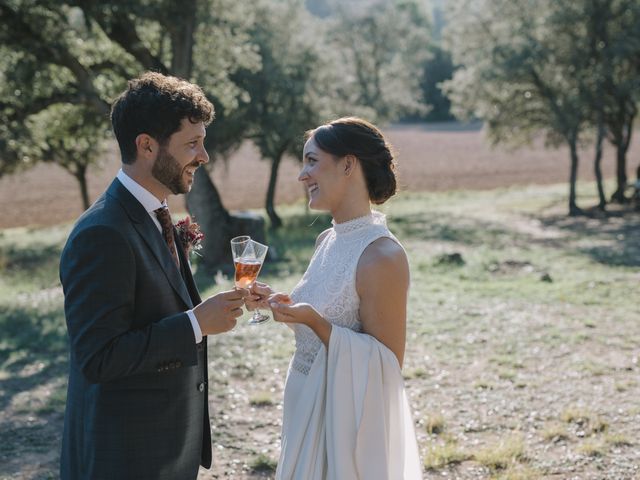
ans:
(156, 104)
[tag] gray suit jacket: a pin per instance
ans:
(137, 403)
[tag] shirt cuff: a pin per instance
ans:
(195, 325)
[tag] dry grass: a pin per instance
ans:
(444, 455)
(592, 448)
(585, 420)
(261, 399)
(433, 423)
(617, 440)
(502, 454)
(555, 433)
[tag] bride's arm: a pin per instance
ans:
(382, 282)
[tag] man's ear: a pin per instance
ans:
(146, 146)
(350, 162)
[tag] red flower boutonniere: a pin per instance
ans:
(190, 235)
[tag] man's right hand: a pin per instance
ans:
(219, 313)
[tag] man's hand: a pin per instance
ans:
(219, 313)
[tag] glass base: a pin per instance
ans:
(258, 318)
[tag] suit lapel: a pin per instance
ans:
(149, 232)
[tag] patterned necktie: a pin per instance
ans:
(164, 217)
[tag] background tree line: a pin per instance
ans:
(566, 70)
(275, 68)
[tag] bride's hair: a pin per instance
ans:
(357, 137)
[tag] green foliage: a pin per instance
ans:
(381, 51)
(437, 69)
(518, 68)
(285, 95)
(66, 61)
(555, 68)
(263, 463)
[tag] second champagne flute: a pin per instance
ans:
(248, 257)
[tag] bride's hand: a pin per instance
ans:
(285, 312)
(259, 294)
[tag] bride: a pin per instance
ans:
(346, 414)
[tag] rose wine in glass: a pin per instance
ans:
(248, 257)
(247, 271)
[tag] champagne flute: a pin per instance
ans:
(248, 257)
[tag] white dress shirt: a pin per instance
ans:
(150, 204)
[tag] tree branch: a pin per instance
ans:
(121, 29)
(21, 34)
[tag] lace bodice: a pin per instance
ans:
(329, 284)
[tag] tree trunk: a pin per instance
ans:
(276, 222)
(573, 208)
(81, 177)
(621, 164)
(635, 198)
(598, 166)
(205, 206)
(621, 176)
(182, 40)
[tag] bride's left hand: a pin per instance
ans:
(295, 313)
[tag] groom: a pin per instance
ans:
(137, 402)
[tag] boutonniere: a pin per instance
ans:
(190, 235)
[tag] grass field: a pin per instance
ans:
(522, 354)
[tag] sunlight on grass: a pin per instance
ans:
(443, 455)
(592, 448)
(589, 422)
(555, 433)
(617, 440)
(261, 399)
(418, 372)
(504, 453)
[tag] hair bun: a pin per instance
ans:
(355, 136)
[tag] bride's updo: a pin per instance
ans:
(357, 137)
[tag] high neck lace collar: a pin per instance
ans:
(374, 218)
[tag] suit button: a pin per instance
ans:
(201, 387)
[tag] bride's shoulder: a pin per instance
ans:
(383, 256)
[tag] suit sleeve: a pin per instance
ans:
(98, 274)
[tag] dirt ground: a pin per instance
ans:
(430, 157)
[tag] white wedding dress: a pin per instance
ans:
(346, 415)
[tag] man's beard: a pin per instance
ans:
(168, 171)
